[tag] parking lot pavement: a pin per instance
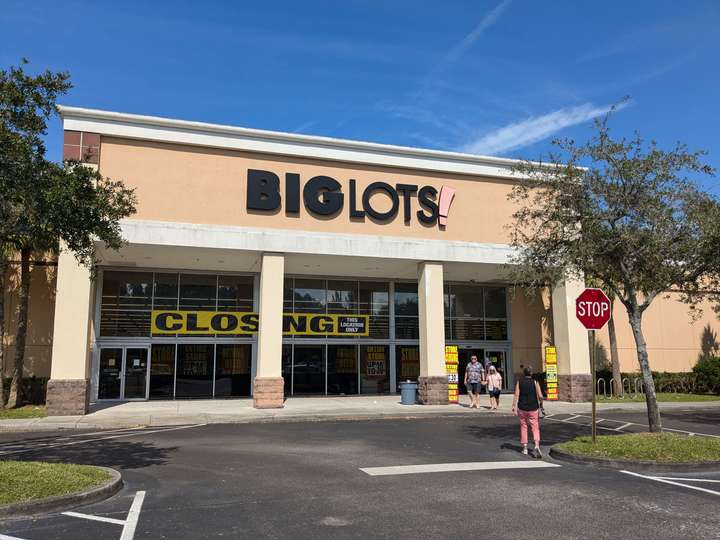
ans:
(306, 480)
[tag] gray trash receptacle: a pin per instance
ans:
(408, 392)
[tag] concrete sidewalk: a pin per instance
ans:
(183, 412)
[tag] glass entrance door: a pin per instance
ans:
(136, 373)
(110, 373)
(464, 355)
(499, 360)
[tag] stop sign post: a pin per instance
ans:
(593, 310)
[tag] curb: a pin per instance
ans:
(645, 466)
(65, 502)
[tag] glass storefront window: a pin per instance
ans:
(496, 324)
(235, 293)
(374, 369)
(232, 370)
(406, 311)
(309, 296)
(166, 291)
(407, 362)
(475, 313)
(126, 303)
(162, 371)
(374, 300)
(342, 369)
(195, 370)
(309, 369)
(342, 296)
(287, 368)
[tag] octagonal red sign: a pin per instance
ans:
(592, 308)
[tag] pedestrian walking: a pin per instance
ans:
(527, 402)
(494, 386)
(474, 375)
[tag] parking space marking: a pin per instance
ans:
(621, 428)
(689, 479)
(6, 537)
(452, 467)
(129, 523)
(672, 482)
(95, 518)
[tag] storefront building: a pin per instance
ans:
(269, 265)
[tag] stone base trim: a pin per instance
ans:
(68, 397)
(433, 390)
(268, 392)
(575, 388)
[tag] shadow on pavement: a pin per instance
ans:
(116, 454)
(550, 432)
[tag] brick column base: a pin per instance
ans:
(433, 390)
(575, 388)
(268, 392)
(67, 397)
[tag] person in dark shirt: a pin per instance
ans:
(526, 404)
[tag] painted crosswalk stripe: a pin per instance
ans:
(672, 482)
(451, 467)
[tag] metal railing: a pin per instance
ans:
(627, 388)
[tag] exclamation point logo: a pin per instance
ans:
(447, 194)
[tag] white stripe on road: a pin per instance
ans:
(95, 518)
(658, 479)
(450, 467)
(688, 479)
(6, 537)
(128, 531)
(623, 426)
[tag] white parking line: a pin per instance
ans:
(450, 467)
(95, 518)
(6, 537)
(659, 479)
(128, 531)
(129, 523)
(689, 479)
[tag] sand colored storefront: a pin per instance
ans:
(264, 265)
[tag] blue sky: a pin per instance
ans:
(497, 77)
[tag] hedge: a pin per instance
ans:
(33, 390)
(704, 379)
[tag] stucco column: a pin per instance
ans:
(432, 383)
(571, 341)
(68, 390)
(268, 383)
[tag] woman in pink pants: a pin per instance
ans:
(526, 404)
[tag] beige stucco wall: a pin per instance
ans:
(202, 185)
(41, 311)
(673, 337)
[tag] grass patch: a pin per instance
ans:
(22, 481)
(660, 447)
(665, 397)
(28, 411)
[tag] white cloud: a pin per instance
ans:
(534, 129)
(473, 36)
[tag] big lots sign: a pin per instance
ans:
(592, 308)
(324, 196)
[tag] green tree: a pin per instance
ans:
(44, 204)
(624, 213)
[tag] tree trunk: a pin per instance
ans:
(654, 422)
(617, 377)
(3, 269)
(15, 398)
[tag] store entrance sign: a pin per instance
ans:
(324, 196)
(551, 373)
(246, 323)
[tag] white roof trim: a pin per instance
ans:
(153, 128)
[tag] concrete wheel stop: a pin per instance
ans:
(61, 503)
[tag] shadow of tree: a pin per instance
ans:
(112, 453)
(550, 433)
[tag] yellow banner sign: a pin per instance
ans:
(551, 373)
(244, 323)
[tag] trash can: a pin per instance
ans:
(408, 392)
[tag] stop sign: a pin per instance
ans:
(592, 308)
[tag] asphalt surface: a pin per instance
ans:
(303, 480)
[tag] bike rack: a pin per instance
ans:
(614, 390)
(629, 386)
(639, 386)
(604, 388)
